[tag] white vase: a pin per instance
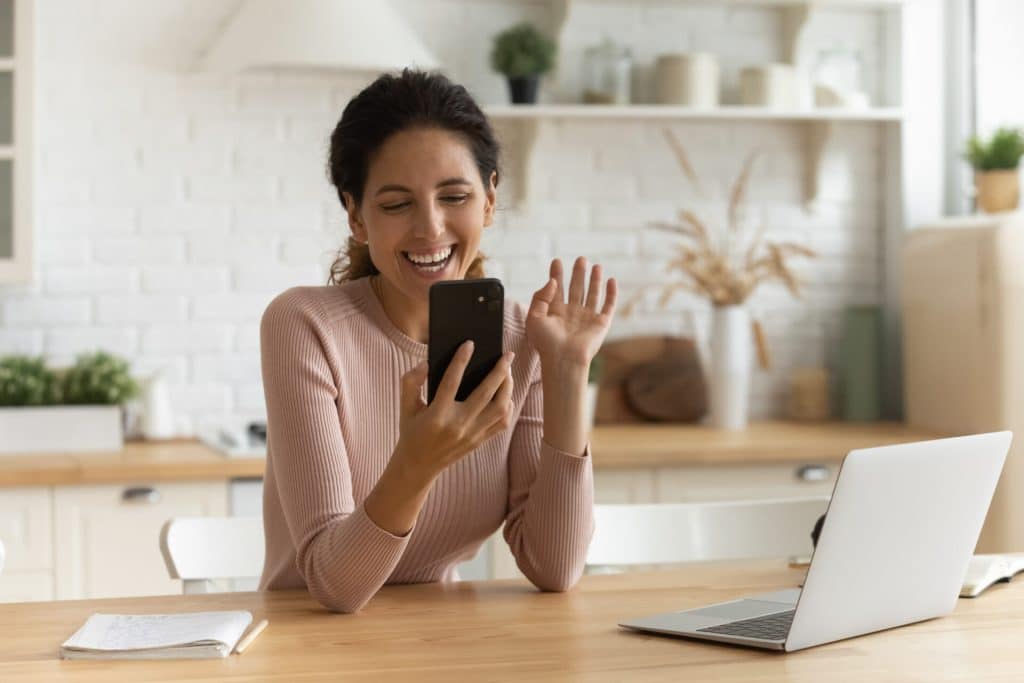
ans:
(731, 364)
(157, 413)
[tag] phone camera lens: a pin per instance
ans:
(479, 299)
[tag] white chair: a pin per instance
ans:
(2, 555)
(671, 533)
(202, 550)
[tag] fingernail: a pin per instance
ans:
(510, 356)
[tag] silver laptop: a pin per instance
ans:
(901, 527)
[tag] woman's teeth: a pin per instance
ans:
(431, 262)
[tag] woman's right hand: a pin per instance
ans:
(433, 436)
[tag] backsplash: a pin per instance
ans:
(173, 205)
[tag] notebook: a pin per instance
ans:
(985, 570)
(189, 635)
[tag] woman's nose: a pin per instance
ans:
(429, 223)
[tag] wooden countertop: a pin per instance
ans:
(774, 441)
(509, 631)
(139, 461)
(614, 447)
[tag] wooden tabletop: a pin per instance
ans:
(613, 446)
(507, 631)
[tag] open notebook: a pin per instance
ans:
(190, 635)
(985, 570)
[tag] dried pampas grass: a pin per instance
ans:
(723, 268)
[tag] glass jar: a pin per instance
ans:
(607, 71)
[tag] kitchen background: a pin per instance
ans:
(173, 204)
(170, 203)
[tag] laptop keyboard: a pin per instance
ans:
(769, 627)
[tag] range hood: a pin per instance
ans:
(340, 35)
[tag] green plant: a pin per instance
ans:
(26, 381)
(522, 51)
(596, 370)
(1000, 152)
(98, 378)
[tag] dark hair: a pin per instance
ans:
(391, 104)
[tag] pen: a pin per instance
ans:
(251, 636)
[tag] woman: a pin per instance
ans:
(366, 484)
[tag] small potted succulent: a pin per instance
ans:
(995, 163)
(523, 55)
(77, 409)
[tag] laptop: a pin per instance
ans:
(899, 532)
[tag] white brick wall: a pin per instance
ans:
(172, 205)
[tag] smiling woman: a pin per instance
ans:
(366, 483)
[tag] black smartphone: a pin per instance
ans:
(461, 310)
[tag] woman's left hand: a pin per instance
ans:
(570, 330)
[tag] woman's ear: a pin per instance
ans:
(491, 195)
(355, 221)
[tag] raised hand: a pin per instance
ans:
(568, 328)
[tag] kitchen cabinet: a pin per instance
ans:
(691, 484)
(16, 140)
(27, 532)
(107, 537)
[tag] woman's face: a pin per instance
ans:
(423, 209)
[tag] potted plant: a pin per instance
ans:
(522, 54)
(995, 164)
(73, 410)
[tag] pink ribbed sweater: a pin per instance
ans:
(332, 361)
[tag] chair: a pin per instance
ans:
(2, 555)
(670, 533)
(202, 550)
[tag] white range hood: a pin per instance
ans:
(342, 35)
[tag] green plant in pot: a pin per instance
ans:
(995, 161)
(523, 54)
(26, 381)
(98, 379)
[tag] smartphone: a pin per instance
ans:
(461, 310)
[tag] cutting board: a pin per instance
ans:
(651, 378)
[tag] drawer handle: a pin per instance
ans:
(812, 473)
(140, 494)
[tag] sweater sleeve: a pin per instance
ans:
(342, 555)
(550, 517)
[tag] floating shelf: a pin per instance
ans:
(655, 111)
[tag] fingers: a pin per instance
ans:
(610, 295)
(594, 287)
(412, 381)
(449, 386)
(542, 298)
(556, 274)
(491, 384)
(577, 284)
(498, 414)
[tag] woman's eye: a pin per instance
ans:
(394, 207)
(454, 198)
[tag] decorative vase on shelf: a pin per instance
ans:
(731, 366)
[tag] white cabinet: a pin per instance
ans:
(690, 484)
(107, 537)
(27, 533)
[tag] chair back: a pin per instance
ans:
(670, 533)
(202, 550)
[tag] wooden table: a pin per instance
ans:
(506, 631)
